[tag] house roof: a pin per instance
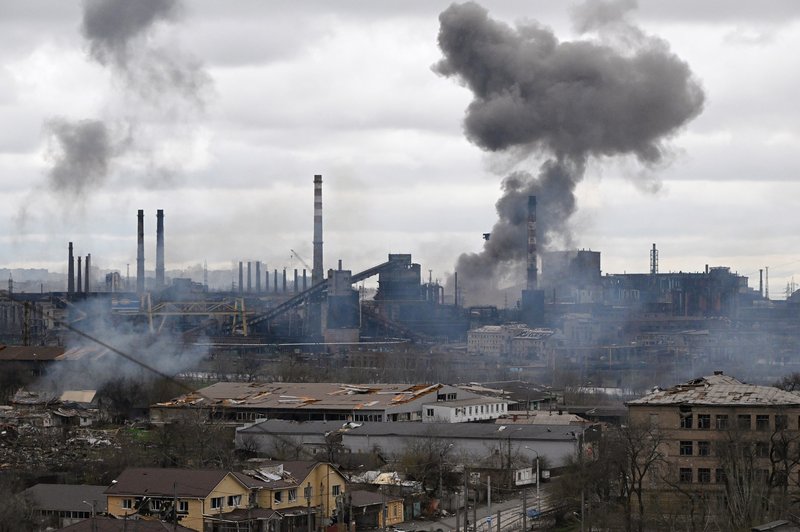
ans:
(277, 474)
(78, 396)
(107, 524)
(167, 482)
(719, 390)
(451, 430)
(361, 498)
(68, 497)
(300, 395)
(30, 353)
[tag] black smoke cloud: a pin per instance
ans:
(80, 153)
(119, 36)
(154, 79)
(561, 101)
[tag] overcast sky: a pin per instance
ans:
(267, 94)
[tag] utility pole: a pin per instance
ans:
(308, 506)
(524, 510)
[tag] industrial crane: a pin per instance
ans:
(300, 259)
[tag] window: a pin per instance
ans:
(762, 449)
(704, 475)
(429, 412)
(686, 421)
(743, 421)
(278, 497)
(685, 474)
(686, 448)
(719, 476)
(722, 421)
(183, 507)
(155, 504)
(336, 490)
(703, 448)
(216, 503)
(762, 422)
(703, 421)
(781, 422)
(234, 500)
(127, 504)
(292, 494)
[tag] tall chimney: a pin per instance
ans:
(258, 276)
(249, 276)
(160, 248)
(305, 282)
(275, 281)
(140, 255)
(70, 271)
(761, 282)
(316, 271)
(533, 272)
(296, 282)
(455, 289)
(284, 280)
(79, 288)
(86, 277)
(241, 277)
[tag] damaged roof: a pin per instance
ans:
(297, 395)
(719, 390)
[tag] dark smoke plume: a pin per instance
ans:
(118, 33)
(80, 153)
(565, 102)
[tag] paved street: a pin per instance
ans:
(510, 516)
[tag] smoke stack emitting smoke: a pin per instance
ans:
(561, 101)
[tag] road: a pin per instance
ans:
(510, 516)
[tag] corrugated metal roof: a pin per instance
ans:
(331, 396)
(719, 390)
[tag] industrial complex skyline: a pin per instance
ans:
(221, 116)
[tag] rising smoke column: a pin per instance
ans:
(120, 36)
(565, 102)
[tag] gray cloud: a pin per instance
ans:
(564, 101)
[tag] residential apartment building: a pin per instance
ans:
(721, 442)
(275, 497)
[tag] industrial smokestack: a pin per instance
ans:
(140, 255)
(241, 277)
(275, 280)
(533, 272)
(249, 276)
(70, 271)
(79, 288)
(296, 282)
(455, 289)
(284, 280)
(160, 248)
(761, 282)
(86, 277)
(258, 276)
(305, 282)
(316, 271)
